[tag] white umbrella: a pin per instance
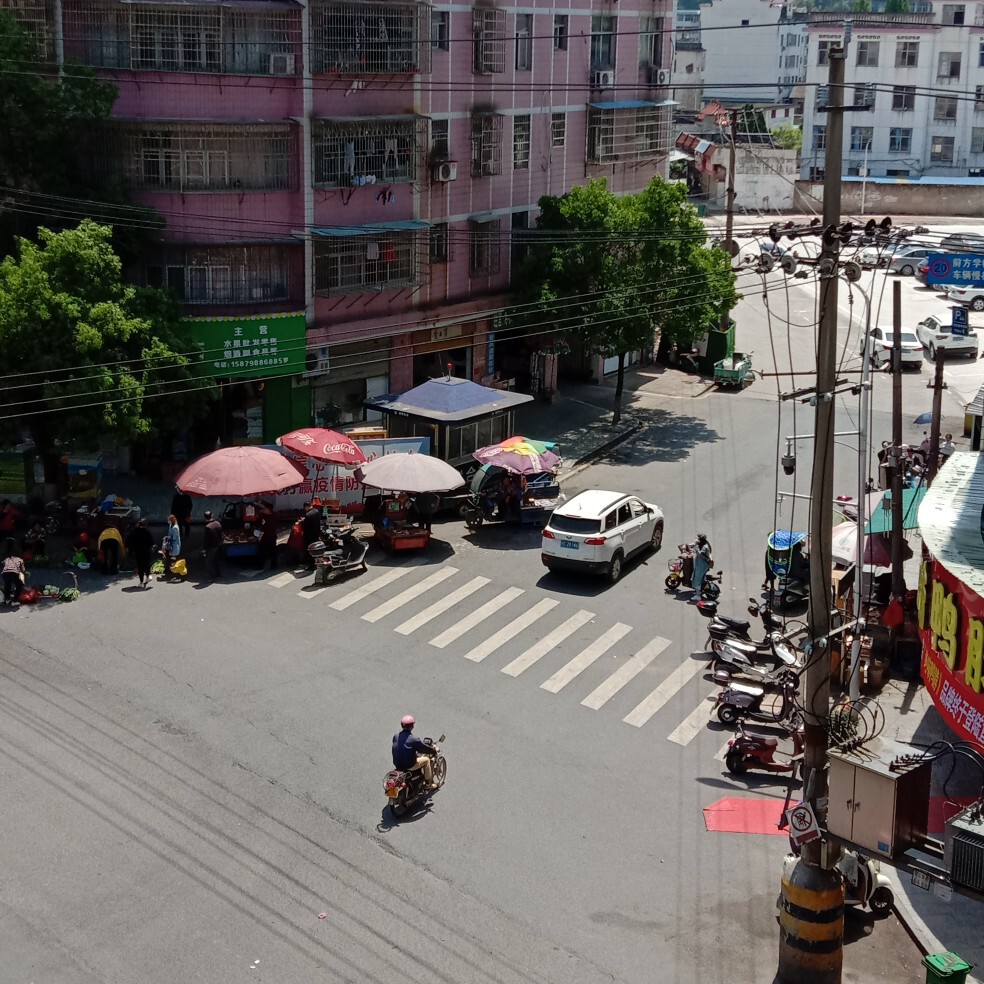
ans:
(409, 472)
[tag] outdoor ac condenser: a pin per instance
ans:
(964, 848)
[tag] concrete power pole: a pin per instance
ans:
(811, 922)
(729, 216)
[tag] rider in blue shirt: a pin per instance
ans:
(411, 753)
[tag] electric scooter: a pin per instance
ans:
(738, 700)
(748, 750)
(762, 663)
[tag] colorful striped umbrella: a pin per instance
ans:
(521, 455)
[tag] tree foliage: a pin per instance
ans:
(897, 7)
(787, 138)
(86, 356)
(613, 271)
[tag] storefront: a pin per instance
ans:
(443, 349)
(356, 371)
(255, 358)
(950, 599)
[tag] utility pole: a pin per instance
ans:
(811, 921)
(898, 472)
(729, 215)
(933, 465)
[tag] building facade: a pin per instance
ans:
(372, 165)
(915, 70)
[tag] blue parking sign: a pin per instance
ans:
(958, 322)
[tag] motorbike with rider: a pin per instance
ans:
(419, 768)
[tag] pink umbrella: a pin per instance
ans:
(877, 552)
(240, 472)
(323, 445)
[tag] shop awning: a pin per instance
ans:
(372, 229)
(448, 401)
(881, 517)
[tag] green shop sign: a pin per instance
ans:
(252, 345)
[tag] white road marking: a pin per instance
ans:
(441, 606)
(550, 641)
(629, 669)
(366, 589)
(282, 579)
(479, 615)
(414, 591)
(687, 670)
(513, 628)
(691, 726)
(586, 657)
(311, 591)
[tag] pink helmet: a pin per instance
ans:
(408, 721)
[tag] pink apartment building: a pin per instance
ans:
(346, 184)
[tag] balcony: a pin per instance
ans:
(356, 260)
(628, 132)
(355, 151)
(867, 21)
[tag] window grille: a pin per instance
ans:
(904, 98)
(355, 152)
(190, 38)
(441, 243)
(354, 264)
(521, 143)
(213, 157)
(602, 41)
(489, 34)
(484, 247)
(222, 274)
(558, 129)
(941, 150)
(486, 150)
(907, 54)
(37, 17)
(368, 38)
(628, 134)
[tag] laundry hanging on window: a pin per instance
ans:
(348, 164)
(389, 253)
(389, 147)
(372, 251)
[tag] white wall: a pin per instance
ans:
(738, 57)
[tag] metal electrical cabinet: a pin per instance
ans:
(877, 808)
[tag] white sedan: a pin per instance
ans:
(972, 297)
(933, 335)
(880, 342)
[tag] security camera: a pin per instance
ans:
(789, 463)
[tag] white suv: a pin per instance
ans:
(597, 531)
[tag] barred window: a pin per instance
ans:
(489, 41)
(353, 264)
(521, 143)
(486, 150)
(354, 152)
(214, 157)
(37, 17)
(628, 134)
(371, 38)
(558, 129)
(221, 274)
(483, 248)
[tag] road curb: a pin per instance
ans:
(586, 460)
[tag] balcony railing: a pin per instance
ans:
(630, 133)
(870, 20)
(370, 38)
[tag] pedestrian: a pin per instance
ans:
(703, 559)
(109, 546)
(14, 578)
(268, 537)
(213, 546)
(171, 547)
(947, 447)
(140, 543)
(181, 509)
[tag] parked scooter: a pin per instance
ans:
(739, 700)
(337, 554)
(724, 628)
(404, 788)
(864, 883)
(764, 664)
(748, 750)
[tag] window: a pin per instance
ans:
(904, 98)
(864, 95)
(560, 31)
(941, 150)
(524, 42)
(602, 41)
(945, 109)
(353, 264)
(896, 172)
(953, 14)
(483, 248)
(178, 42)
(949, 66)
(900, 140)
(221, 274)
(867, 54)
(977, 140)
(980, 55)
(441, 30)
(521, 143)
(819, 138)
(861, 137)
(519, 239)
(558, 129)
(489, 34)
(440, 140)
(347, 152)
(979, 97)
(651, 42)
(823, 49)
(440, 243)
(486, 148)
(633, 132)
(816, 173)
(362, 38)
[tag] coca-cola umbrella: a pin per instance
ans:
(323, 445)
(240, 472)
(521, 455)
(409, 472)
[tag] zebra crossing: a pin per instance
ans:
(485, 618)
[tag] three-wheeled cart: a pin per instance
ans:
(735, 370)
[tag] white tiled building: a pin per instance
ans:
(924, 72)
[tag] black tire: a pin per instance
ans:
(474, 520)
(656, 540)
(932, 352)
(464, 510)
(977, 304)
(727, 714)
(440, 770)
(736, 763)
(615, 568)
(907, 270)
(672, 582)
(400, 805)
(881, 901)
(710, 590)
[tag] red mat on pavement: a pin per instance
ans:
(741, 815)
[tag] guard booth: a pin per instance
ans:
(459, 417)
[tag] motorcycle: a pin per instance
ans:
(864, 883)
(723, 628)
(337, 554)
(748, 750)
(404, 788)
(739, 700)
(682, 571)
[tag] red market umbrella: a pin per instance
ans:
(520, 455)
(239, 472)
(323, 445)
(409, 472)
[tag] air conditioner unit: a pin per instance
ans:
(659, 76)
(317, 363)
(446, 171)
(281, 64)
(604, 79)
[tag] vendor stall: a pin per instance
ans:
(393, 529)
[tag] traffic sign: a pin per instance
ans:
(802, 824)
(961, 269)
(958, 321)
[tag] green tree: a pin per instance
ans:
(861, 6)
(614, 270)
(787, 138)
(751, 122)
(85, 355)
(897, 7)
